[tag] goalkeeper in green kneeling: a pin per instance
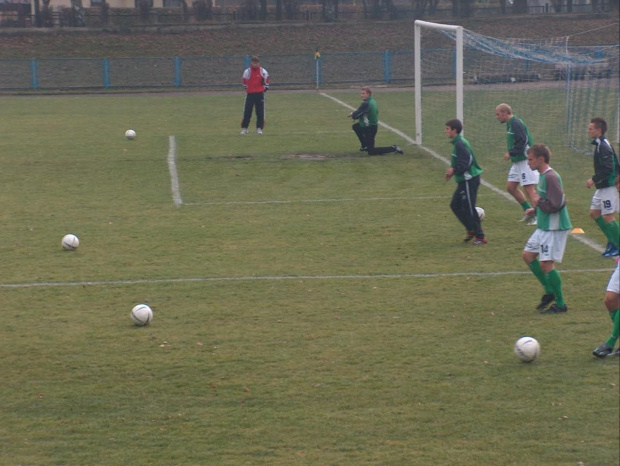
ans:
(546, 245)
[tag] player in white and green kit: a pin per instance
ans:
(546, 245)
(519, 141)
(612, 303)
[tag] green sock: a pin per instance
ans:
(556, 285)
(613, 338)
(538, 273)
(614, 232)
(525, 205)
(606, 229)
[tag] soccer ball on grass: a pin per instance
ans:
(70, 242)
(130, 134)
(481, 213)
(527, 349)
(141, 315)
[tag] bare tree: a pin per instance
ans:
(502, 6)
(185, 8)
(47, 20)
(290, 8)
(278, 10)
(365, 9)
(104, 12)
(519, 7)
(203, 9)
(423, 7)
(329, 10)
(77, 14)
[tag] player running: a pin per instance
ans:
(519, 140)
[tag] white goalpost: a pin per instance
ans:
(417, 53)
(554, 87)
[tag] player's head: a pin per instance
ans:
(365, 92)
(537, 155)
(503, 113)
(455, 125)
(597, 127)
(254, 61)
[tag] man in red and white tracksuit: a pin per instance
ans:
(256, 82)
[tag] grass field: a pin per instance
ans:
(312, 305)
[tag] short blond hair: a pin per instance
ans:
(505, 108)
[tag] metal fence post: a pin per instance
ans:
(317, 71)
(387, 66)
(106, 73)
(34, 73)
(177, 72)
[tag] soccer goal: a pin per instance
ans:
(555, 88)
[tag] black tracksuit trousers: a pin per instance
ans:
(464, 205)
(254, 99)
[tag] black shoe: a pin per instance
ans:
(398, 149)
(363, 149)
(603, 350)
(545, 301)
(555, 309)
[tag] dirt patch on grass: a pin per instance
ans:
(308, 157)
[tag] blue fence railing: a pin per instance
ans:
(287, 71)
(293, 71)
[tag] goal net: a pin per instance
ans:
(555, 88)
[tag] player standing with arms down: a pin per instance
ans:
(605, 200)
(466, 172)
(546, 245)
(612, 303)
(255, 79)
(519, 140)
(366, 127)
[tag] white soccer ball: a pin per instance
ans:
(141, 315)
(130, 134)
(481, 213)
(527, 349)
(70, 242)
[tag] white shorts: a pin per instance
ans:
(605, 200)
(520, 172)
(614, 281)
(549, 245)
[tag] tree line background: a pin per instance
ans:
(203, 11)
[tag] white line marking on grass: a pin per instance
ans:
(581, 238)
(172, 167)
(295, 201)
(147, 281)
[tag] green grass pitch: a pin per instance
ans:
(312, 305)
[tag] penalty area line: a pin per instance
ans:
(147, 281)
